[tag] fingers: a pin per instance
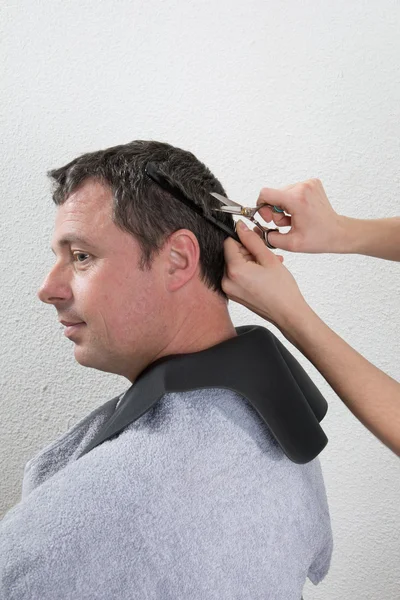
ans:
(249, 249)
(258, 231)
(280, 220)
(266, 213)
(232, 251)
(280, 198)
(253, 242)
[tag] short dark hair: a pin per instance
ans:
(143, 209)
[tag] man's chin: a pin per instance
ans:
(89, 359)
(83, 357)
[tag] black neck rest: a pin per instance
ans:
(256, 365)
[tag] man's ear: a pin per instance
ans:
(182, 258)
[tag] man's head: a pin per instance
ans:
(146, 255)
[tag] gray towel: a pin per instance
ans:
(194, 501)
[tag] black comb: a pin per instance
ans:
(158, 178)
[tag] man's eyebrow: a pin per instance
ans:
(71, 239)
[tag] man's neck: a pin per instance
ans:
(199, 329)
(199, 321)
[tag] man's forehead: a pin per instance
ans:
(89, 210)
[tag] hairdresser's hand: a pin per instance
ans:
(256, 278)
(315, 226)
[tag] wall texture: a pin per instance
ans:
(264, 92)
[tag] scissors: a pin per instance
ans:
(237, 209)
(165, 183)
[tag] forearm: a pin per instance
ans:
(374, 237)
(371, 395)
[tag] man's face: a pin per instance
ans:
(97, 281)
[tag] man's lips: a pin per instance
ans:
(71, 328)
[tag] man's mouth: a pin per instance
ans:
(71, 327)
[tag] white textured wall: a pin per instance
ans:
(266, 93)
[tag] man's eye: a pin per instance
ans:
(77, 256)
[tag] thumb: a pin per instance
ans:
(282, 241)
(255, 245)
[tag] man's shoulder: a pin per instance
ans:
(66, 447)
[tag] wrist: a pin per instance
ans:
(308, 333)
(297, 325)
(348, 235)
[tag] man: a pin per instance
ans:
(193, 498)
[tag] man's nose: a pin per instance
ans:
(55, 288)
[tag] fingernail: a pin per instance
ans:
(242, 225)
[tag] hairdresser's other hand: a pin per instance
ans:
(255, 277)
(315, 226)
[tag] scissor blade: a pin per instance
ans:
(225, 200)
(234, 210)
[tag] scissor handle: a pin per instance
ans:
(275, 209)
(265, 231)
